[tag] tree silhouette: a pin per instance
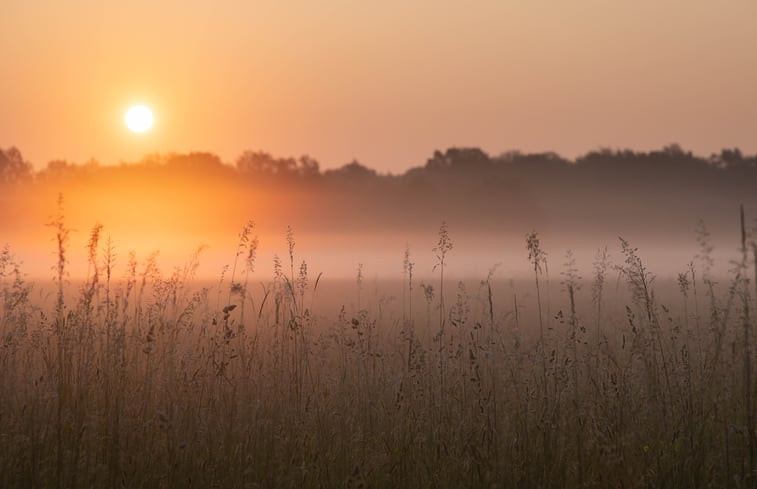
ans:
(263, 164)
(13, 167)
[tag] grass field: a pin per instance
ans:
(139, 378)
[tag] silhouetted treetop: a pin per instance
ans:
(351, 171)
(732, 158)
(263, 164)
(13, 167)
(458, 158)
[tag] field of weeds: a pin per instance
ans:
(137, 378)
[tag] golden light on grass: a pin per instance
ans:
(139, 118)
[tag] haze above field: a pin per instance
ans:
(177, 202)
(385, 83)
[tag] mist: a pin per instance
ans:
(661, 202)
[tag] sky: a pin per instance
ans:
(385, 83)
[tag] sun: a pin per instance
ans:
(139, 118)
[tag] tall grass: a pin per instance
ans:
(146, 379)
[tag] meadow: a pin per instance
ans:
(599, 377)
(362, 245)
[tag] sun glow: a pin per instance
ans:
(139, 118)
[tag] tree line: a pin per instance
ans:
(672, 159)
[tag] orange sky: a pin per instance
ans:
(385, 83)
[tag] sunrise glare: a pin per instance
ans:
(139, 118)
(398, 244)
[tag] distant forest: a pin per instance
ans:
(605, 191)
